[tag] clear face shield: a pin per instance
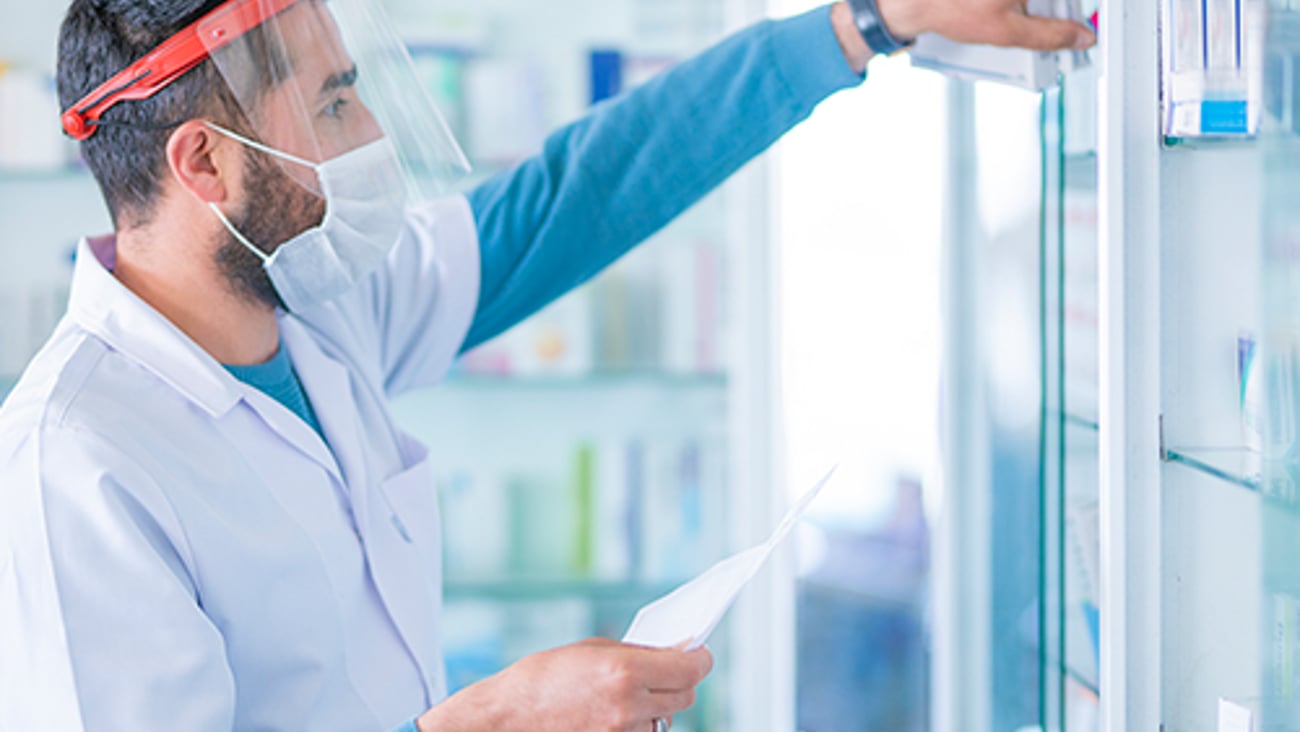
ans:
(320, 79)
(327, 90)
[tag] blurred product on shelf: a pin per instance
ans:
(1251, 387)
(506, 105)
(1081, 303)
(30, 313)
(29, 142)
(658, 311)
(1083, 542)
(441, 71)
(32, 305)
(474, 641)
(1269, 380)
(1081, 113)
(630, 510)
(861, 612)
(1286, 639)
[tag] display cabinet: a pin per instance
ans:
(1166, 529)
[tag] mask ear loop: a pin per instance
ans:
(263, 148)
(239, 236)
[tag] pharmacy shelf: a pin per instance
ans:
(1237, 466)
(710, 384)
(56, 175)
(534, 589)
(596, 381)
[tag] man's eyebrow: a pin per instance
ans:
(340, 80)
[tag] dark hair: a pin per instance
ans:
(127, 154)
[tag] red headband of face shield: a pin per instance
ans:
(171, 60)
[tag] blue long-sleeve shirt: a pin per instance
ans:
(609, 181)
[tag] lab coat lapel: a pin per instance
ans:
(394, 558)
(329, 389)
(293, 430)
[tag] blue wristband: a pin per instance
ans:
(866, 14)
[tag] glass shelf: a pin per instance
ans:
(1237, 466)
(1081, 422)
(608, 380)
(533, 590)
(1082, 679)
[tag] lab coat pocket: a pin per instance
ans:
(405, 560)
(413, 506)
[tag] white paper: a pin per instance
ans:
(686, 616)
(1234, 718)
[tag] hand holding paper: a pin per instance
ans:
(688, 615)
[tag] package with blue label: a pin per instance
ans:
(1213, 67)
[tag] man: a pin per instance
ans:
(208, 519)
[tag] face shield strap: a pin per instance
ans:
(171, 60)
(159, 127)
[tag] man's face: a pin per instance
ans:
(315, 114)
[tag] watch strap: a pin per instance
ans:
(866, 14)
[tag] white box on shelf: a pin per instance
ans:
(1029, 69)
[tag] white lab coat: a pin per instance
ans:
(178, 551)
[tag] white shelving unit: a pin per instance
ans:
(1193, 520)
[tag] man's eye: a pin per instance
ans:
(335, 109)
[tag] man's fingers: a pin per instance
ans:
(668, 671)
(1045, 34)
(665, 705)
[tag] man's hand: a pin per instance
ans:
(593, 686)
(993, 22)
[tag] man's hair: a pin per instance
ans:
(127, 154)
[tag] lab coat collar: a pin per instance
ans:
(105, 307)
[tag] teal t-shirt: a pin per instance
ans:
(277, 379)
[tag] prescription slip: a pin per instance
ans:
(687, 616)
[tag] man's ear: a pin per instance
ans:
(202, 163)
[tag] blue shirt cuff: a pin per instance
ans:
(408, 727)
(808, 56)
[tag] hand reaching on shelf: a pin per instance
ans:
(992, 22)
(597, 685)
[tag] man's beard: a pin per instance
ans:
(277, 210)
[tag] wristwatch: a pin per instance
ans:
(881, 41)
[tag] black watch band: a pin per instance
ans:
(867, 16)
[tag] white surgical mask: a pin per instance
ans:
(364, 212)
